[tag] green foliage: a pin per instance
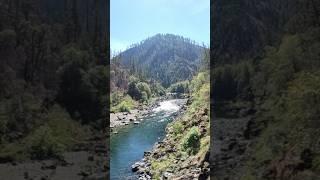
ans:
(54, 137)
(199, 80)
(191, 141)
(139, 90)
(159, 166)
(58, 133)
(177, 128)
(188, 134)
(125, 104)
(288, 86)
(116, 97)
(201, 99)
(82, 88)
(43, 144)
(180, 87)
(157, 89)
(280, 79)
(144, 87)
(49, 61)
(133, 91)
(233, 81)
(144, 96)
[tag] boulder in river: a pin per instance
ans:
(135, 167)
(147, 153)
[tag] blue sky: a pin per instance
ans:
(132, 21)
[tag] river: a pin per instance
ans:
(129, 145)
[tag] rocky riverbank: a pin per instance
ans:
(134, 116)
(87, 161)
(166, 157)
(229, 151)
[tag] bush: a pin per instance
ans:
(157, 89)
(57, 135)
(126, 104)
(133, 91)
(139, 90)
(177, 128)
(198, 81)
(116, 97)
(144, 97)
(144, 87)
(191, 142)
(180, 87)
(124, 107)
(44, 145)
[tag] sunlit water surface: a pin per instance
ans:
(128, 146)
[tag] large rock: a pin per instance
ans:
(136, 166)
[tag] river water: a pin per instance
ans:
(129, 145)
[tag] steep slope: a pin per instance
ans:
(184, 153)
(167, 58)
(266, 79)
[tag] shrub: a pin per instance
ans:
(180, 87)
(115, 98)
(126, 104)
(198, 81)
(177, 128)
(144, 97)
(124, 107)
(58, 134)
(139, 91)
(157, 89)
(191, 142)
(144, 87)
(42, 144)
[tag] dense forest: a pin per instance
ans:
(266, 57)
(53, 75)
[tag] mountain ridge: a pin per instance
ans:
(167, 58)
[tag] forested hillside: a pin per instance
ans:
(160, 64)
(266, 66)
(166, 58)
(53, 75)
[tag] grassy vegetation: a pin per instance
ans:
(57, 134)
(177, 128)
(122, 103)
(161, 166)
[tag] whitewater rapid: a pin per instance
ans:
(167, 106)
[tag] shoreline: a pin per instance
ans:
(142, 167)
(135, 116)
